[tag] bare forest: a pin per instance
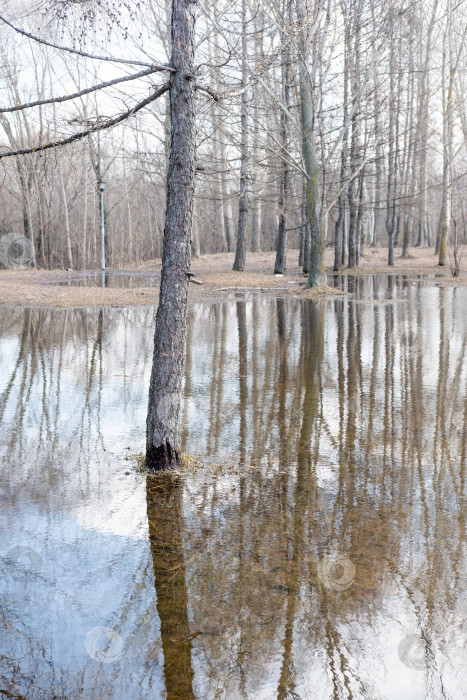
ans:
(233, 340)
(341, 121)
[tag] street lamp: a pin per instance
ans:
(101, 189)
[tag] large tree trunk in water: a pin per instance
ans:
(240, 255)
(162, 436)
(316, 274)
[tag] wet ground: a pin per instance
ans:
(320, 554)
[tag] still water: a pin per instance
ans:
(320, 553)
(115, 279)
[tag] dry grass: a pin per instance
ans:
(45, 288)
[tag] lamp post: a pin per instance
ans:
(101, 189)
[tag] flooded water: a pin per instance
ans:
(119, 279)
(322, 553)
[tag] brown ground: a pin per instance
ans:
(26, 287)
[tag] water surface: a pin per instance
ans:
(102, 278)
(320, 554)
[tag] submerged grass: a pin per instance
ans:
(190, 465)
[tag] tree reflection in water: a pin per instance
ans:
(331, 539)
(165, 520)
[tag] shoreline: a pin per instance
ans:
(59, 288)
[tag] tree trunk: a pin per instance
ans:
(195, 238)
(66, 218)
(85, 212)
(226, 201)
(340, 223)
(281, 250)
(240, 255)
(27, 211)
(345, 236)
(423, 134)
(392, 157)
(224, 166)
(316, 274)
(408, 228)
(162, 438)
(378, 137)
(355, 147)
(448, 128)
(256, 184)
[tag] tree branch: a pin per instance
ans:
(74, 95)
(97, 127)
(209, 91)
(83, 53)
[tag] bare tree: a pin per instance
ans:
(162, 440)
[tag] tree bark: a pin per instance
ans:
(256, 183)
(339, 231)
(66, 218)
(224, 165)
(423, 134)
(162, 438)
(392, 157)
(281, 250)
(355, 147)
(316, 274)
(240, 255)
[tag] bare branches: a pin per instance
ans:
(97, 127)
(205, 88)
(68, 49)
(73, 96)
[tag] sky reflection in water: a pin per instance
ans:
(325, 558)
